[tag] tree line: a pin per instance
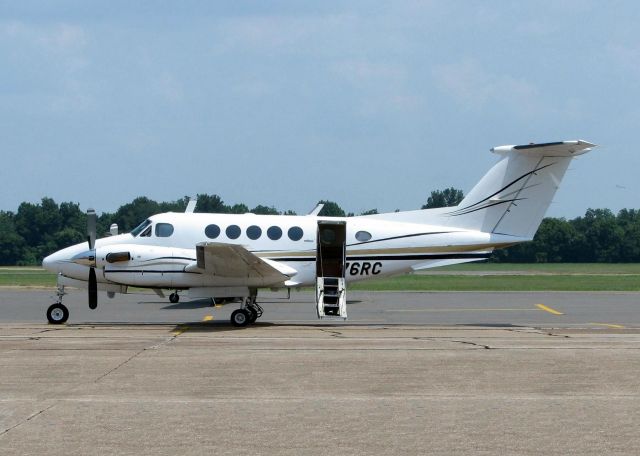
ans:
(36, 230)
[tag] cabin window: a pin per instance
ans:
(138, 229)
(295, 233)
(212, 231)
(363, 236)
(164, 229)
(254, 232)
(233, 231)
(274, 233)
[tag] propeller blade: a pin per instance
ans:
(91, 228)
(93, 289)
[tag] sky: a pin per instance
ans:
(283, 103)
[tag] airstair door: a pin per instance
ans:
(331, 248)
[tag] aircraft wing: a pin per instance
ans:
(234, 261)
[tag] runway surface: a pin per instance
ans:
(532, 309)
(410, 373)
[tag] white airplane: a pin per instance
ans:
(230, 256)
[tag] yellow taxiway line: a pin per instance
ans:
(548, 309)
(608, 325)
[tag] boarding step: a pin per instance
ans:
(331, 298)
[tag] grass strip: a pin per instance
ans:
(416, 282)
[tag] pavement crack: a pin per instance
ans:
(119, 365)
(332, 332)
(29, 418)
(468, 342)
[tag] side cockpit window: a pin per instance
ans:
(164, 229)
(140, 228)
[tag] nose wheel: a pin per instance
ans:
(174, 297)
(57, 313)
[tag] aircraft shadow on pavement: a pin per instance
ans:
(215, 326)
(194, 304)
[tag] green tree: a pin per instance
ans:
(601, 237)
(12, 245)
(265, 210)
(178, 205)
(210, 204)
(370, 212)
(132, 214)
(331, 209)
(238, 209)
(444, 198)
(629, 221)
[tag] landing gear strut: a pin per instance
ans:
(248, 313)
(58, 313)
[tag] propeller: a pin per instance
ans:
(91, 238)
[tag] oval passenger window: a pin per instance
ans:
(233, 231)
(363, 236)
(212, 231)
(295, 233)
(274, 233)
(254, 232)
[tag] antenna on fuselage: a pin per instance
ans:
(191, 206)
(316, 210)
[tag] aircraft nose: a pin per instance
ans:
(52, 262)
(48, 262)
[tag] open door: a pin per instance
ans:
(331, 247)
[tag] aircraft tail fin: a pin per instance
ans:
(512, 198)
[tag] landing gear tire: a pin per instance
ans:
(240, 318)
(57, 313)
(174, 298)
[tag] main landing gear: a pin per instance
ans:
(174, 297)
(248, 313)
(58, 313)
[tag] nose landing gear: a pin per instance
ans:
(58, 313)
(174, 297)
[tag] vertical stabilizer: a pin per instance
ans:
(512, 198)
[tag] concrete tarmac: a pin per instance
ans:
(477, 380)
(316, 390)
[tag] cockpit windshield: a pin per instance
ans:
(138, 229)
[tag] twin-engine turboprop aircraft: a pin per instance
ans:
(226, 257)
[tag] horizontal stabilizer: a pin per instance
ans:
(552, 149)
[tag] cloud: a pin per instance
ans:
(277, 33)
(58, 38)
(470, 85)
(360, 72)
(168, 88)
(47, 62)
